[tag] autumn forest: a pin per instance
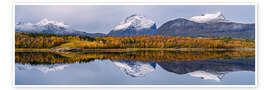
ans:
(48, 41)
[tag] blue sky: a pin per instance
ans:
(101, 19)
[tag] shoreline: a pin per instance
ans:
(138, 49)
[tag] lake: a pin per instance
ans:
(158, 67)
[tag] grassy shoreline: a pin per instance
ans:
(138, 49)
(32, 50)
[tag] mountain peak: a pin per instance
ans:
(208, 18)
(136, 16)
(135, 21)
(44, 21)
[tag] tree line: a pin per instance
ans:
(34, 40)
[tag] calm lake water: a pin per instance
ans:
(136, 68)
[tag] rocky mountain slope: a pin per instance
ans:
(207, 25)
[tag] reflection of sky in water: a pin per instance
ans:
(106, 72)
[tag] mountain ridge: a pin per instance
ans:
(52, 27)
(186, 28)
(206, 25)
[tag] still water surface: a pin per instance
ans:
(135, 68)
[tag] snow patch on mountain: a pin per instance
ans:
(138, 22)
(209, 18)
(207, 75)
(135, 68)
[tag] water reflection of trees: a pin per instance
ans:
(46, 58)
(157, 56)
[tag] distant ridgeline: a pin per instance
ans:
(207, 25)
(136, 31)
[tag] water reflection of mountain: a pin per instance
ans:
(208, 65)
(209, 69)
(135, 68)
(42, 68)
(217, 76)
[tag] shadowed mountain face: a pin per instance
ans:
(184, 27)
(131, 32)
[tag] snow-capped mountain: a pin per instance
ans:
(207, 25)
(134, 25)
(49, 26)
(135, 68)
(209, 18)
(42, 68)
(43, 26)
(207, 75)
